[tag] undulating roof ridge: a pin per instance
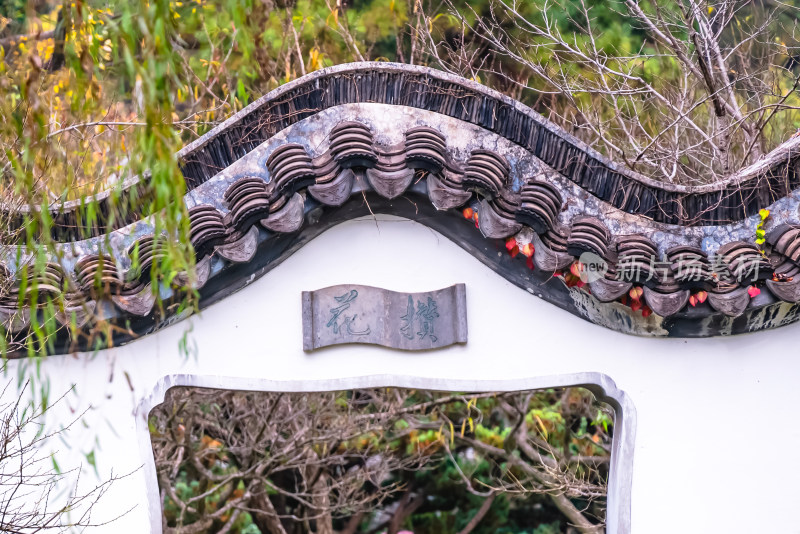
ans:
(305, 177)
(741, 195)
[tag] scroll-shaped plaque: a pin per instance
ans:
(363, 314)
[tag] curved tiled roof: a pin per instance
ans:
(287, 167)
(730, 200)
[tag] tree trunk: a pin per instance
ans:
(266, 518)
(408, 505)
(322, 505)
(353, 522)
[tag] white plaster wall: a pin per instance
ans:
(709, 411)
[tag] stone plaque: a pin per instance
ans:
(363, 314)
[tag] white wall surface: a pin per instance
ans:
(710, 411)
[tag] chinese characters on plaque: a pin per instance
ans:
(364, 314)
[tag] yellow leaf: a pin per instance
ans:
(335, 14)
(315, 58)
(541, 425)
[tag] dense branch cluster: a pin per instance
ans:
(697, 91)
(380, 460)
